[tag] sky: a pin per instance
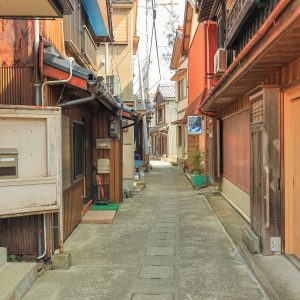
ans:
(164, 24)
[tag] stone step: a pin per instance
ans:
(16, 279)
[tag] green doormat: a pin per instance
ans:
(111, 206)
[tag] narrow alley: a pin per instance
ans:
(165, 243)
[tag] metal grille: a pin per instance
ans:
(72, 27)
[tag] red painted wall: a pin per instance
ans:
(201, 59)
(196, 63)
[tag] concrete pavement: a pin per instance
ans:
(166, 243)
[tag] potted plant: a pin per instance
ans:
(196, 162)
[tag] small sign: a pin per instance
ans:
(102, 144)
(194, 125)
(103, 166)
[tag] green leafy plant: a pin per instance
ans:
(196, 161)
(12, 258)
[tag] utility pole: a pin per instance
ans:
(145, 127)
(147, 65)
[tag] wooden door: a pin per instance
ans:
(265, 205)
(296, 176)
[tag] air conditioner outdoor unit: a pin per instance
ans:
(220, 61)
(113, 85)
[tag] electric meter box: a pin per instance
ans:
(8, 163)
(30, 160)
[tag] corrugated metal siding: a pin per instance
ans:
(236, 150)
(19, 235)
(16, 85)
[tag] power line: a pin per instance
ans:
(155, 33)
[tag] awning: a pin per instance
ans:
(58, 68)
(177, 122)
(128, 112)
(96, 17)
(204, 9)
(158, 128)
(193, 108)
(187, 27)
(177, 49)
(178, 75)
(35, 8)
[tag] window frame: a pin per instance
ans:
(179, 133)
(76, 177)
(182, 88)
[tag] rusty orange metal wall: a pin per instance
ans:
(236, 150)
(16, 46)
(17, 40)
(16, 85)
(19, 235)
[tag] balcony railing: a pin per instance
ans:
(236, 17)
(244, 19)
(89, 48)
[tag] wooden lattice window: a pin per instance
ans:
(257, 111)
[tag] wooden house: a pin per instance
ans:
(53, 63)
(163, 132)
(255, 100)
(117, 70)
(193, 64)
(180, 65)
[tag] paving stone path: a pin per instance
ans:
(165, 244)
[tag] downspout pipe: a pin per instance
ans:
(145, 129)
(45, 240)
(258, 35)
(78, 101)
(71, 60)
(36, 62)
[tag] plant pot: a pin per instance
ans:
(198, 180)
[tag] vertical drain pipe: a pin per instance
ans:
(106, 60)
(36, 85)
(40, 231)
(45, 240)
(145, 131)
